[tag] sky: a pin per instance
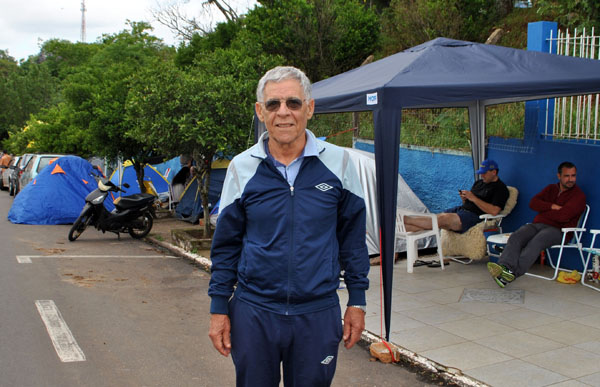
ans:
(25, 24)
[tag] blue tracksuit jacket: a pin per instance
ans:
(284, 246)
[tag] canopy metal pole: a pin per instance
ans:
(477, 126)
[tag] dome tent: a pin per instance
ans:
(57, 194)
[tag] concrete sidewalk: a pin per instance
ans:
(459, 324)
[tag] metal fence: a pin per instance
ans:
(575, 117)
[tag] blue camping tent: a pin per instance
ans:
(443, 73)
(151, 175)
(190, 204)
(169, 168)
(57, 194)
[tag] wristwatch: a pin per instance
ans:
(361, 307)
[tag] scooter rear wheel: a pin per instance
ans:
(141, 226)
(79, 226)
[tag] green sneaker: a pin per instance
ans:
(494, 269)
(500, 281)
(500, 271)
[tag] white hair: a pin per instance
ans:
(282, 73)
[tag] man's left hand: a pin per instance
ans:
(354, 324)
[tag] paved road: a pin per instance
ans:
(104, 312)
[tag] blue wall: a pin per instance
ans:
(434, 176)
(530, 171)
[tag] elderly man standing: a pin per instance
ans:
(292, 216)
(487, 196)
(558, 205)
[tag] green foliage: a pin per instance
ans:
(571, 13)
(222, 37)
(407, 23)
(436, 128)
(322, 37)
(515, 27)
(62, 57)
(446, 128)
(24, 91)
(506, 120)
(334, 127)
(98, 91)
(8, 64)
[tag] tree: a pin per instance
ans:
(174, 18)
(63, 57)
(24, 90)
(322, 37)
(204, 111)
(97, 93)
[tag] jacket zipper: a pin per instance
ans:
(291, 250)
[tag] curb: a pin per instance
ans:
(448, 374)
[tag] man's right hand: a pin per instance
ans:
(220, 333)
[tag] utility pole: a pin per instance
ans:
(82, 21)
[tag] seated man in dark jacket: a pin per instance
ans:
(487, 196)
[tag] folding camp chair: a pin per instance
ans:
(573, 243)
(595, 270)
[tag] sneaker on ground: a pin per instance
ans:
(497, 270)
(501, 281)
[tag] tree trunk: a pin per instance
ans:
(204, 194)
(203, 165)
(139, 173)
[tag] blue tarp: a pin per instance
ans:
(169, 168)
(57, 194)
(443, 73)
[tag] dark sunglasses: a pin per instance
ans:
(273, 105)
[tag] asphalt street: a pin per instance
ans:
(106, 312)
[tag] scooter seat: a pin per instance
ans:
(135, 200)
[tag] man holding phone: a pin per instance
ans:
(487, 196)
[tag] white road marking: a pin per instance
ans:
(64, 343)
(28, 258)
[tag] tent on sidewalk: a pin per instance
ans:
(57, 194)
(153, 179)
(190, 207)
(169, 168)
(443, 73)
(364, 162)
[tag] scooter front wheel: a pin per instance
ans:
(141, 226)
(80, 225)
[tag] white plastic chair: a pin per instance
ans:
(591, 252)
(573, 243)
(413, 236)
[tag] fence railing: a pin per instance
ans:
(575, 117)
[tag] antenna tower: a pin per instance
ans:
(83, 21)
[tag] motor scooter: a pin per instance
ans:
(132, 214)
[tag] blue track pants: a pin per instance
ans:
(307, 345)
